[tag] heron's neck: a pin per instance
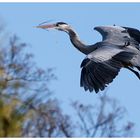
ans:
(77, 42)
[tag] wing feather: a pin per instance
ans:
(119, 35)
(99, 69)
(134, 33)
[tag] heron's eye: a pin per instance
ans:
(57, 24)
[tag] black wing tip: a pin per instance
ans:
(89, 82)
(134, 33)
(95, 76)
(124, 57)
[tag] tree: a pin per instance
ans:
(20, 80)
(10, 120)
(105, 119)
(48, 120)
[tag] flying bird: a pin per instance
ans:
(118, 49)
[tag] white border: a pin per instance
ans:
(28, 138)
(67, 1)
(70, 138)
(38, 1)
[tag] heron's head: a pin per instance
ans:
(61, 26)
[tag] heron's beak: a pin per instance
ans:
(49, 26)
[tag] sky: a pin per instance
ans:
(54, 49)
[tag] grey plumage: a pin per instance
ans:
(118, 49)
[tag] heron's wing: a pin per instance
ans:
(119, 35)
(134, 33)
(100, 67)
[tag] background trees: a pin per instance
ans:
(27, 108)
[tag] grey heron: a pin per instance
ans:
(118, 49)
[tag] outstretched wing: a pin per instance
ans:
(119, 35)
(134, 33)
(101, 66)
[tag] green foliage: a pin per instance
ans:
(10, 120)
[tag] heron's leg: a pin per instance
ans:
(138, 68)
(135, 72)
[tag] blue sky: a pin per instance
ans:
(53, 48)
